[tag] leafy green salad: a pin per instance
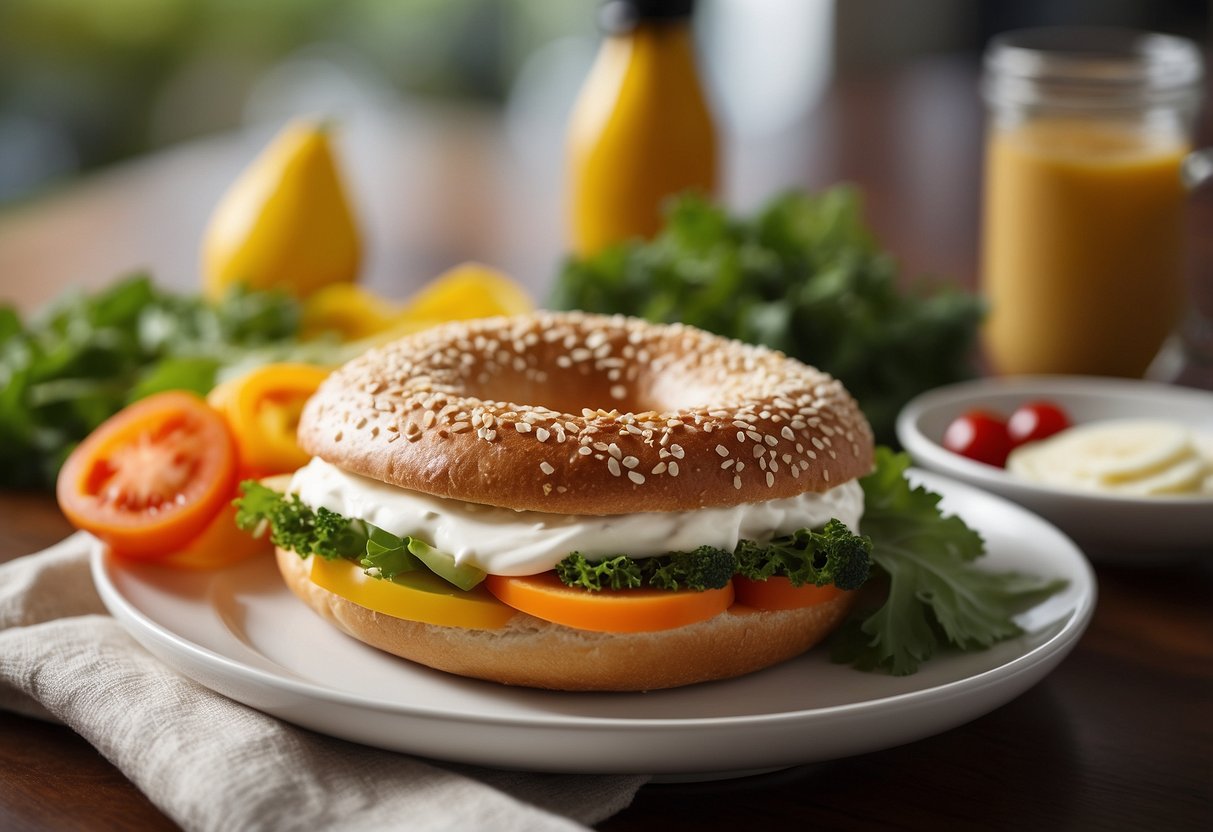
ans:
(87, 356)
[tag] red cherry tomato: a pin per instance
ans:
(979, 435)
(1034, 421)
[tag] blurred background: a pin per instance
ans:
(121, 122)
(84, 84)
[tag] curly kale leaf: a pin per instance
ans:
(292, 525)
(834, 555)
(705, 568)
(620, 572)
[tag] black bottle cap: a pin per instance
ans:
(617, 16)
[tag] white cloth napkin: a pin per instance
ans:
(212, 764)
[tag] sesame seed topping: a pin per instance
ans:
(546, 467)
(769, 403)
(636, 477)
(737, 482)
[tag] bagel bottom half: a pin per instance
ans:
(534, 653)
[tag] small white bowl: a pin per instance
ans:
(1107, 527)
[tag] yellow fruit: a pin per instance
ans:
(349, 311)
(469, 290)
(285, 223)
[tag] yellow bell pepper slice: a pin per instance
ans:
(414, 596)
(262, 408)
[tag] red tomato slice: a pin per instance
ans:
(152, 477)
(777, 593)
(608, 611)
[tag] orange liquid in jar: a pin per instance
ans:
(1083, 262)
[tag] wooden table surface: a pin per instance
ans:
(1120, 736)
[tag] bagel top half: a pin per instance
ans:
(573, 413)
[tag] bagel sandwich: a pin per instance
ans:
(576, 502)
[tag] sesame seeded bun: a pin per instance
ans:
(571, 413)
(535, 653)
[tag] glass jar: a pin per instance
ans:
(1083, 260)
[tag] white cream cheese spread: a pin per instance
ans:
(506, 542)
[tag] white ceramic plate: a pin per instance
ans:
(241, 633)
(1109, 528)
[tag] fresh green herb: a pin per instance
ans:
(705, 568)
(88, 356)
(936, 594)
(803, 276)
(293, 525)
(834, 555)
(619, 572)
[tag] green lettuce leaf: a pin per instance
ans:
(937, 595)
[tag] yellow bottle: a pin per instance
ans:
(641, 129)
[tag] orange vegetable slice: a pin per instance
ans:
(777, 593)
(608, 611)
